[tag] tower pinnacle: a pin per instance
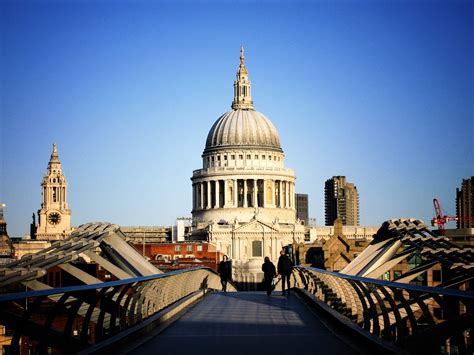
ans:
(54, 154)
(54, 162)
(242, 90)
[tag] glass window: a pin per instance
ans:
(241, 156)
(256, 157)
(177, 248)
(199, 248)
(263, 157)
(232, 156)
(248, 156)
(189, 248)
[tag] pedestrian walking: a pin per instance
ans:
(269, 272)
(285, 267)
(225, 272)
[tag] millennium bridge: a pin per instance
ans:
(352, 311)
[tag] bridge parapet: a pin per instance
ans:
(72, 319)
(418, 319)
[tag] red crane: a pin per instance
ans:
(440, 220)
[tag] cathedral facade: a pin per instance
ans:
(244, 196)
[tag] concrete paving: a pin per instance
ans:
(247, 323)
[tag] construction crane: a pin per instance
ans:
(440, 220)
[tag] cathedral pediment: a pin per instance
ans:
(256, 225)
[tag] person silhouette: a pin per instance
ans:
(225, 272)
(269, 272)
(285, 267)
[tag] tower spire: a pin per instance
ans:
(54, 162)
(242, 89)
(54, 154)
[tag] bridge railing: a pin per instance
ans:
(418, 319)
(72, 319)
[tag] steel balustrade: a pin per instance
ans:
(72, 319)
(416, 318)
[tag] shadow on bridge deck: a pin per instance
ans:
(246, 322)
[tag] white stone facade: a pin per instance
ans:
(244, 196)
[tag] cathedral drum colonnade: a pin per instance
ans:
(244, 196)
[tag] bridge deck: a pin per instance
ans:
(247, 322)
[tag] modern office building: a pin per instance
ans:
(302, 208)
(341, 201)
(465, 204)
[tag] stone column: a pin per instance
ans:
(216, 190)
(245, 193)
(225, 194)
(273, 194)
(293, 203)
(208, 194)
(287, 194)
(264, 193)
(255, 202)
(280, 194)
(290, 203)
(292, 194)
(236, 203)
(198, 196)
(201, 196)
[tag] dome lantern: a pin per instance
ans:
(242, 89)
(243, 126)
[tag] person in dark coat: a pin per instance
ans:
(285, 267)
(269, 272)
(225, 272)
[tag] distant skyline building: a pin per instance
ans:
(465, 204)
(302, 207)
(54, 217)
(341, 200)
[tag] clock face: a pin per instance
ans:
(54, 218)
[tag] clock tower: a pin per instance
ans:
(54, 217)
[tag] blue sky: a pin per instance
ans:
(379, 91)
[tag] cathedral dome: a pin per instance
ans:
(241, 127)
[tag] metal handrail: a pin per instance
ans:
(77, 318)
(405, 286)
(60, 290)
(418, 319)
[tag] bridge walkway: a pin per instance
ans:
(247, 323)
